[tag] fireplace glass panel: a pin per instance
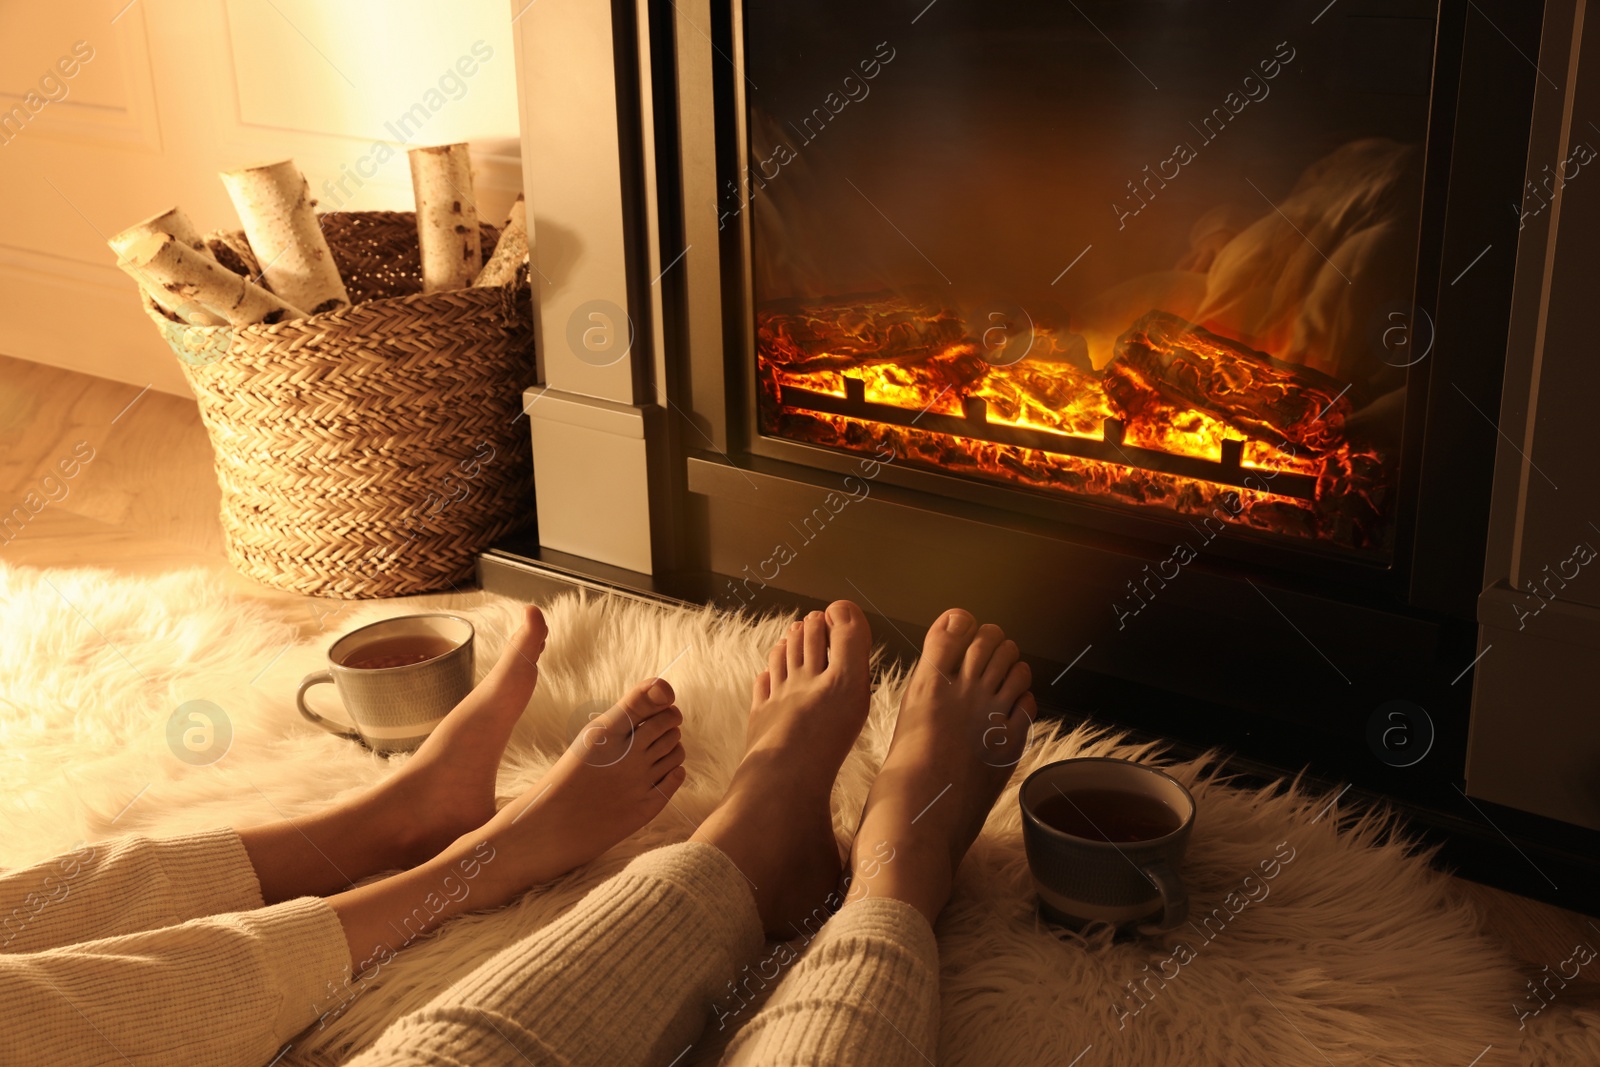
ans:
(1145, 254)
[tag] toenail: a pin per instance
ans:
(661, 692)
(957, 622)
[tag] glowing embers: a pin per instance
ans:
(1180, 418)
(1110, 447)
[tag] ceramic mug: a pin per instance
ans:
(1118, 871)
(394, 709)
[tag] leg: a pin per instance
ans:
(230, 989)
(131, 884)
(809, 707)
(444, 790)
(627, 977)
(223, 991)
(867, 989)
(590, 800)
(135, 883)
(123, 886)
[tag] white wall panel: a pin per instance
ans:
(178, 90)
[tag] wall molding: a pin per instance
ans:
(27, 264)
(135, 125)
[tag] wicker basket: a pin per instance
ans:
(374, 450)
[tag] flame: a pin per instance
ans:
(919, 360)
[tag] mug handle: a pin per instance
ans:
(335, 728)
(1174, 897)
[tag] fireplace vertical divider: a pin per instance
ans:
(603, 444)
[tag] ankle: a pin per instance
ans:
(476, 869)
(384, 816)
(767, 773)
(902, 866)
(926, 888)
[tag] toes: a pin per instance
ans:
(1015, 687)
(982, 650)
(1005, 657)
(652, 730)
(849, 636)
(518, 663)
(795, 644)
(1024, 713)
(668, 760)
(663, 743)
(1027, 708)
(534, 628)
(947, 641)
(816, 642)
(762, 690)
(1006, 742)
(648, 698)
(670, 781)
(778, 663)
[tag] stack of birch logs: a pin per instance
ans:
(286, 270)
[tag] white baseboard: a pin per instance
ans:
(83, 317)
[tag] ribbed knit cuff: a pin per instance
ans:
(865, 991)
(307, 959)
(706, 873)
(889, 920)
(209, 873)
(122, 886)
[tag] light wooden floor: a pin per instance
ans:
(147, 502)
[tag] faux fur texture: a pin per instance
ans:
(1353, 951)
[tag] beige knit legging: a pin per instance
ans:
(160, 951)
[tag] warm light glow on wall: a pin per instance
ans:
(395, 74)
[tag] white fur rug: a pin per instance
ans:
(1355, 952)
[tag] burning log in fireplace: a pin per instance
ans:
(1188, 366)
(840, 336)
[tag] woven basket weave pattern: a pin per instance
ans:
(374, 450)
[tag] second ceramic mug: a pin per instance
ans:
(1084, 877)
(394, 709)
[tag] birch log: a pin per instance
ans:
(232, 249)
(174, 222)
(510, 252)
(280, 219)
(190, 276)
(447, 217)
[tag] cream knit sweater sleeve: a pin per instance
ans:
(227, 990)
(866, 991)
(124, 885)
(224, 991)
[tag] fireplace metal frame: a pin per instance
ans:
(1431, 567)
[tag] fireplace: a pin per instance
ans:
(1170, 335)
(996, 246)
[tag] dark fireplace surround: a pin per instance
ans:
(1443, 674)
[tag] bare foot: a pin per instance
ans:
(446, 788)
(614, 778)
(962, 728)
(775, 822)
